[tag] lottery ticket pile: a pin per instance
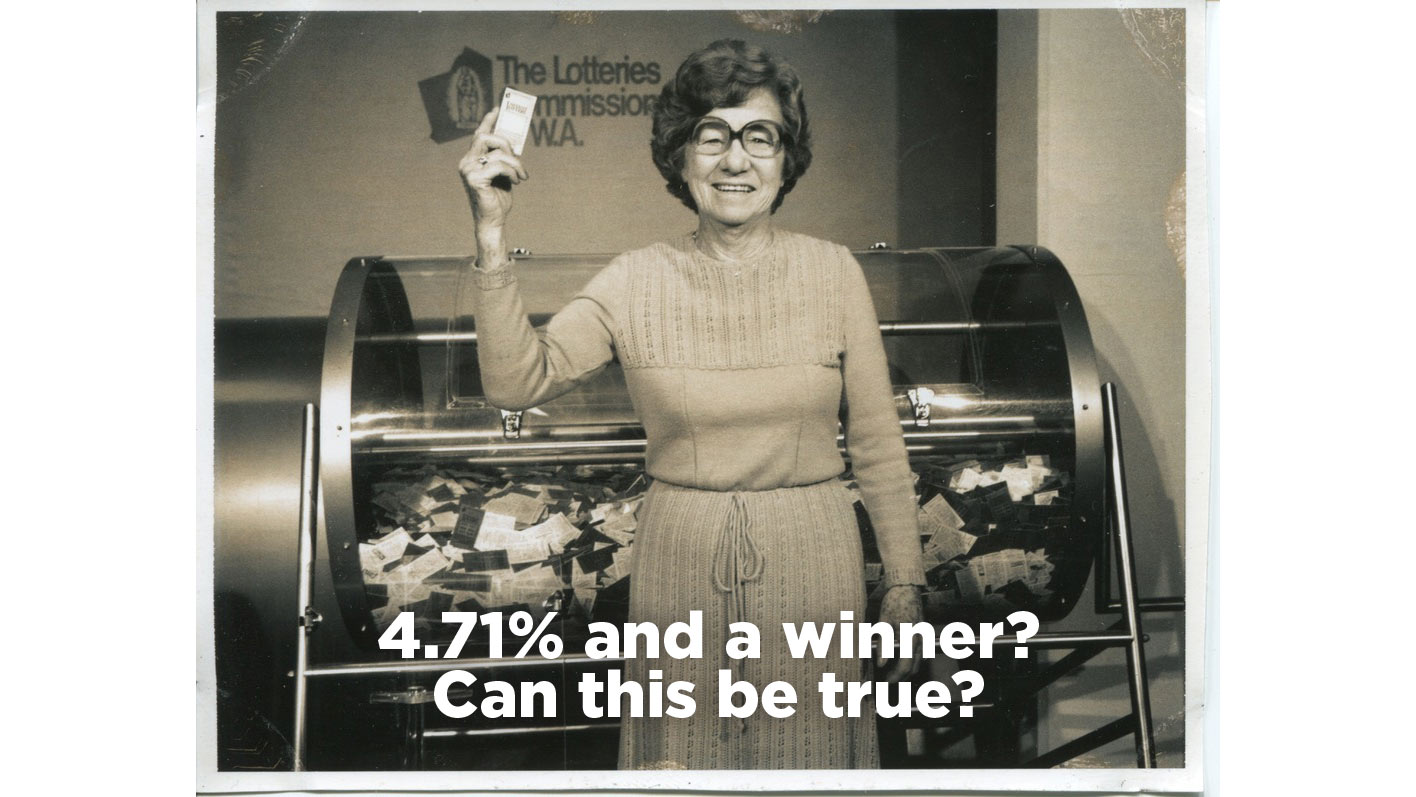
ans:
(1012, 503)
(518, 539)
(509, 539)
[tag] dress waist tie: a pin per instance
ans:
(736, 561)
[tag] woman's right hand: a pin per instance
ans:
(489, 170)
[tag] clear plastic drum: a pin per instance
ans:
(995, 383)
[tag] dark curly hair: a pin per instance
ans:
(721, 75)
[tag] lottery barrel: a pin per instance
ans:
(435, 500)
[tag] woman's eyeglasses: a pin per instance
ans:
(760, 139)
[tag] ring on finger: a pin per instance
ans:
(482, 160)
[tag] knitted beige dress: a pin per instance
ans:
(740, 372)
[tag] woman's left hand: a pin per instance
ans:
(901, 604)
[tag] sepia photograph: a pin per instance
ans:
(756, 399)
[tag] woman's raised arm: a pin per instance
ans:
(522, 367)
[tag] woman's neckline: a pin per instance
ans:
(761, 255)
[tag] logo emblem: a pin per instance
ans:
(457, 99)
(466, 95)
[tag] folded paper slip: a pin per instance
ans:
(557, 531)
(464, 582)
(422, 567)
(948, 544)
(481, 561)
(533, 550)
(937, 515)
(496, 531)
(526, 510)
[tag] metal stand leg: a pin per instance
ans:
(413, 719)
(1125, 555)
(308, 617)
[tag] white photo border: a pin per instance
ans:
(1198, 471)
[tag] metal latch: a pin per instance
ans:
(511, 424)
(921, 398)
(310, 619)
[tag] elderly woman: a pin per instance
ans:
(743, 345)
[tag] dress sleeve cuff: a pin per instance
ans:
(905, 576)
(492, 279)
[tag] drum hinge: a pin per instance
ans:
(921, 398)
(511, 424)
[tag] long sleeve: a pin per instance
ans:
(523, 367)
(873, 437)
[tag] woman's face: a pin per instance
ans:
(734, 188)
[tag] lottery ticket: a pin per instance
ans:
(514, 120)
